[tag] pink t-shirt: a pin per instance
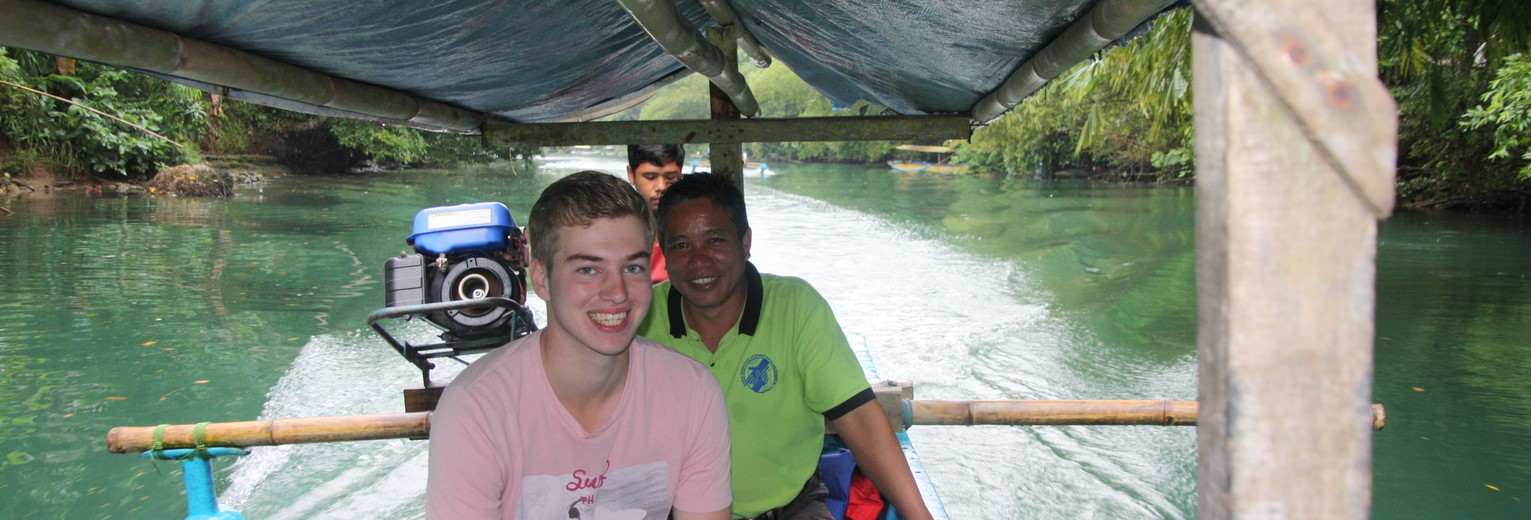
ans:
(502, 446)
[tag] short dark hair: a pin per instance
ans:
(655, 154)
(716, 188)
(579, 199)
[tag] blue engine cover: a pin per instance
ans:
(459, 230)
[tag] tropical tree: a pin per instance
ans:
(1440, 59)
(96, 120)
(1127, 111)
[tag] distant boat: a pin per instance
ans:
(941, 165)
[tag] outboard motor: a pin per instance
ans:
(467, 276)
(465, 252)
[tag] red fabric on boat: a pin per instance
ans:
(865, 502)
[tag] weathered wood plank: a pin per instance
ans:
(1321, 66)
(1286, 246)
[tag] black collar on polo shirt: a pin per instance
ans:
(754, 291)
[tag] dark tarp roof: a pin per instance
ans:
(540, 61)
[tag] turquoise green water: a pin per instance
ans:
(139, 311)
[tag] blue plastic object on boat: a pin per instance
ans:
(457, 230)
(201, 495)
(835, 469)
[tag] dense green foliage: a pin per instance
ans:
(311, 143)
(1507, 110)
(38, 131)
(1127, 112)
(1451, 65)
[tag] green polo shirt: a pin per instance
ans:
(784, 367)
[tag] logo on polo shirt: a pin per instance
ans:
(758, 374)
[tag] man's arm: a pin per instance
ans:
(868, 434)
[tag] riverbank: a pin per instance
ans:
(240, 170)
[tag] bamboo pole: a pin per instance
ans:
(1107, 22)
(132, 439)
(1018, 413)
(1061, 413)
(675, 34)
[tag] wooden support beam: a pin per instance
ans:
(759, 130)
(727, 158)
(1286, 248)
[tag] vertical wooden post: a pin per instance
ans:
(1286, 246)
(727, 158)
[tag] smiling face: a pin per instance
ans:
(596, 283)
(705, 255)
(651, 180)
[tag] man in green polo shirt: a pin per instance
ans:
(783, 362)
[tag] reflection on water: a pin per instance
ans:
(131, 310)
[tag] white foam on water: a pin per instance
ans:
(343, 374)
(963, 326)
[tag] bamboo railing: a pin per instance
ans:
(132, 439)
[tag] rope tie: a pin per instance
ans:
(157, 447)
(159, 438)
(198, 437)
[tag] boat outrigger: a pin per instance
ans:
(1295, 146)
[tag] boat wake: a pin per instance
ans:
(964, 326)
(343, 374)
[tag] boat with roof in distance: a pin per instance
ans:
(941, 164)
(1295, 144)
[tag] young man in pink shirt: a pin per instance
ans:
(582, 419)
(652, 168)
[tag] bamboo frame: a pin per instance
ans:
(665, 25)
(132, 439)
(1108, 21)
(758, 130)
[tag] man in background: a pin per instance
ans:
(652, 168)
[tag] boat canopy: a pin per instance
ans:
(462, 62)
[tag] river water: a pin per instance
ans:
(127, 310)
